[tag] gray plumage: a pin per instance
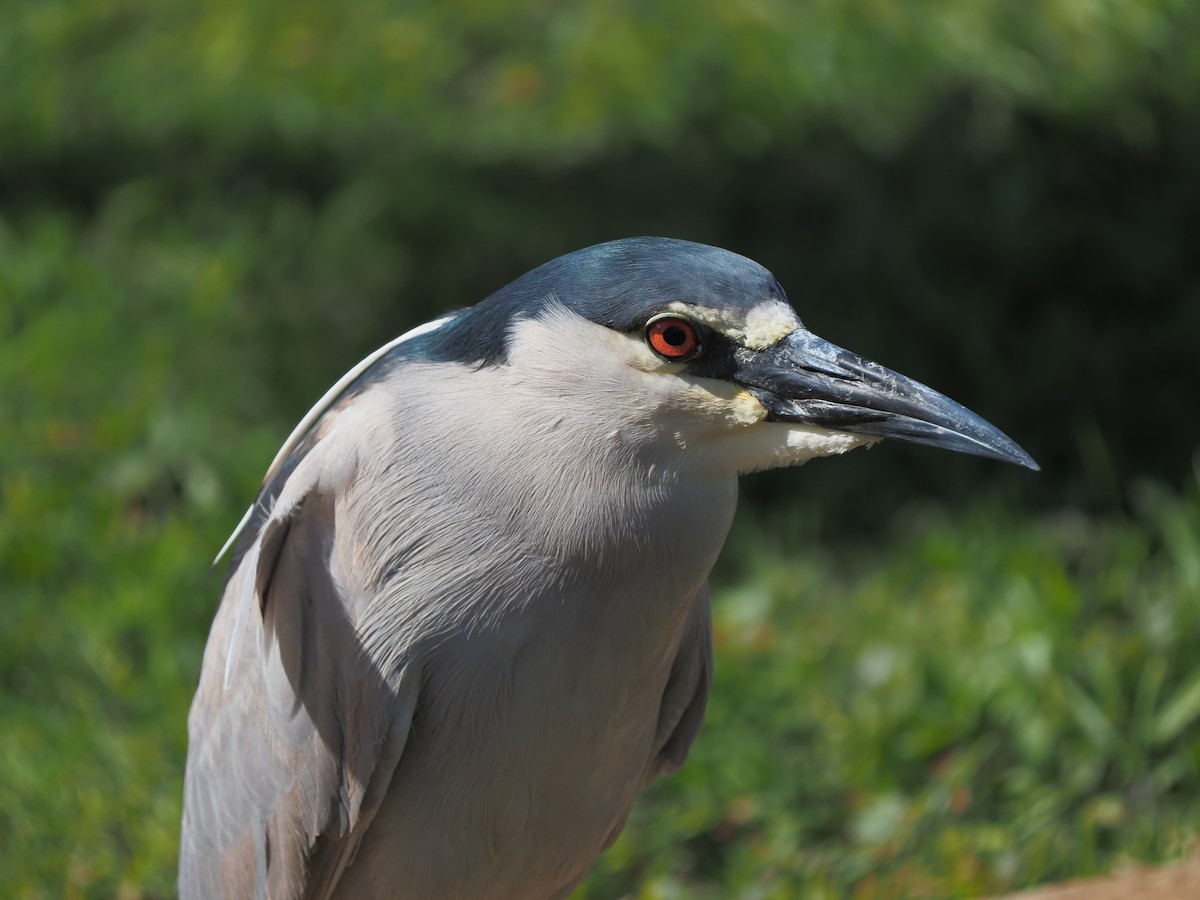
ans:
(467, 618)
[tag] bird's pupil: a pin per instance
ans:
(675, 336)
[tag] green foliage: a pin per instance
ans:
(107, 480)
(487, 79)
(972, 706)
(209, 212)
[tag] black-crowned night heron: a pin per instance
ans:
(467, 617)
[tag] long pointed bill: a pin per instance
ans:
(807, 380)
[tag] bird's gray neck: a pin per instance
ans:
(550, 492)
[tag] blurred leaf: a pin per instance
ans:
(1179, 712)
(211, 212)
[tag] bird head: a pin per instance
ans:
(691, 348)
(702, 344)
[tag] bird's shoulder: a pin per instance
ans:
(294, 730)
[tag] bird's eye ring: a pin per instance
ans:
(673, 338)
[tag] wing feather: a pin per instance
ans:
(294, 734)
(686, 696)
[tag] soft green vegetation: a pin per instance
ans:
(975, 704)
(208, 212)
(497, 78)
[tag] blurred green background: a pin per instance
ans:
(936, 676)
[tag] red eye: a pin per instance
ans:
(673, 338)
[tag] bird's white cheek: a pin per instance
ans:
(700, 413)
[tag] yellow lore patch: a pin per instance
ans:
(745, 409)
(722, 401)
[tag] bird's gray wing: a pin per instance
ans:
(686, 696)
(293, 733)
